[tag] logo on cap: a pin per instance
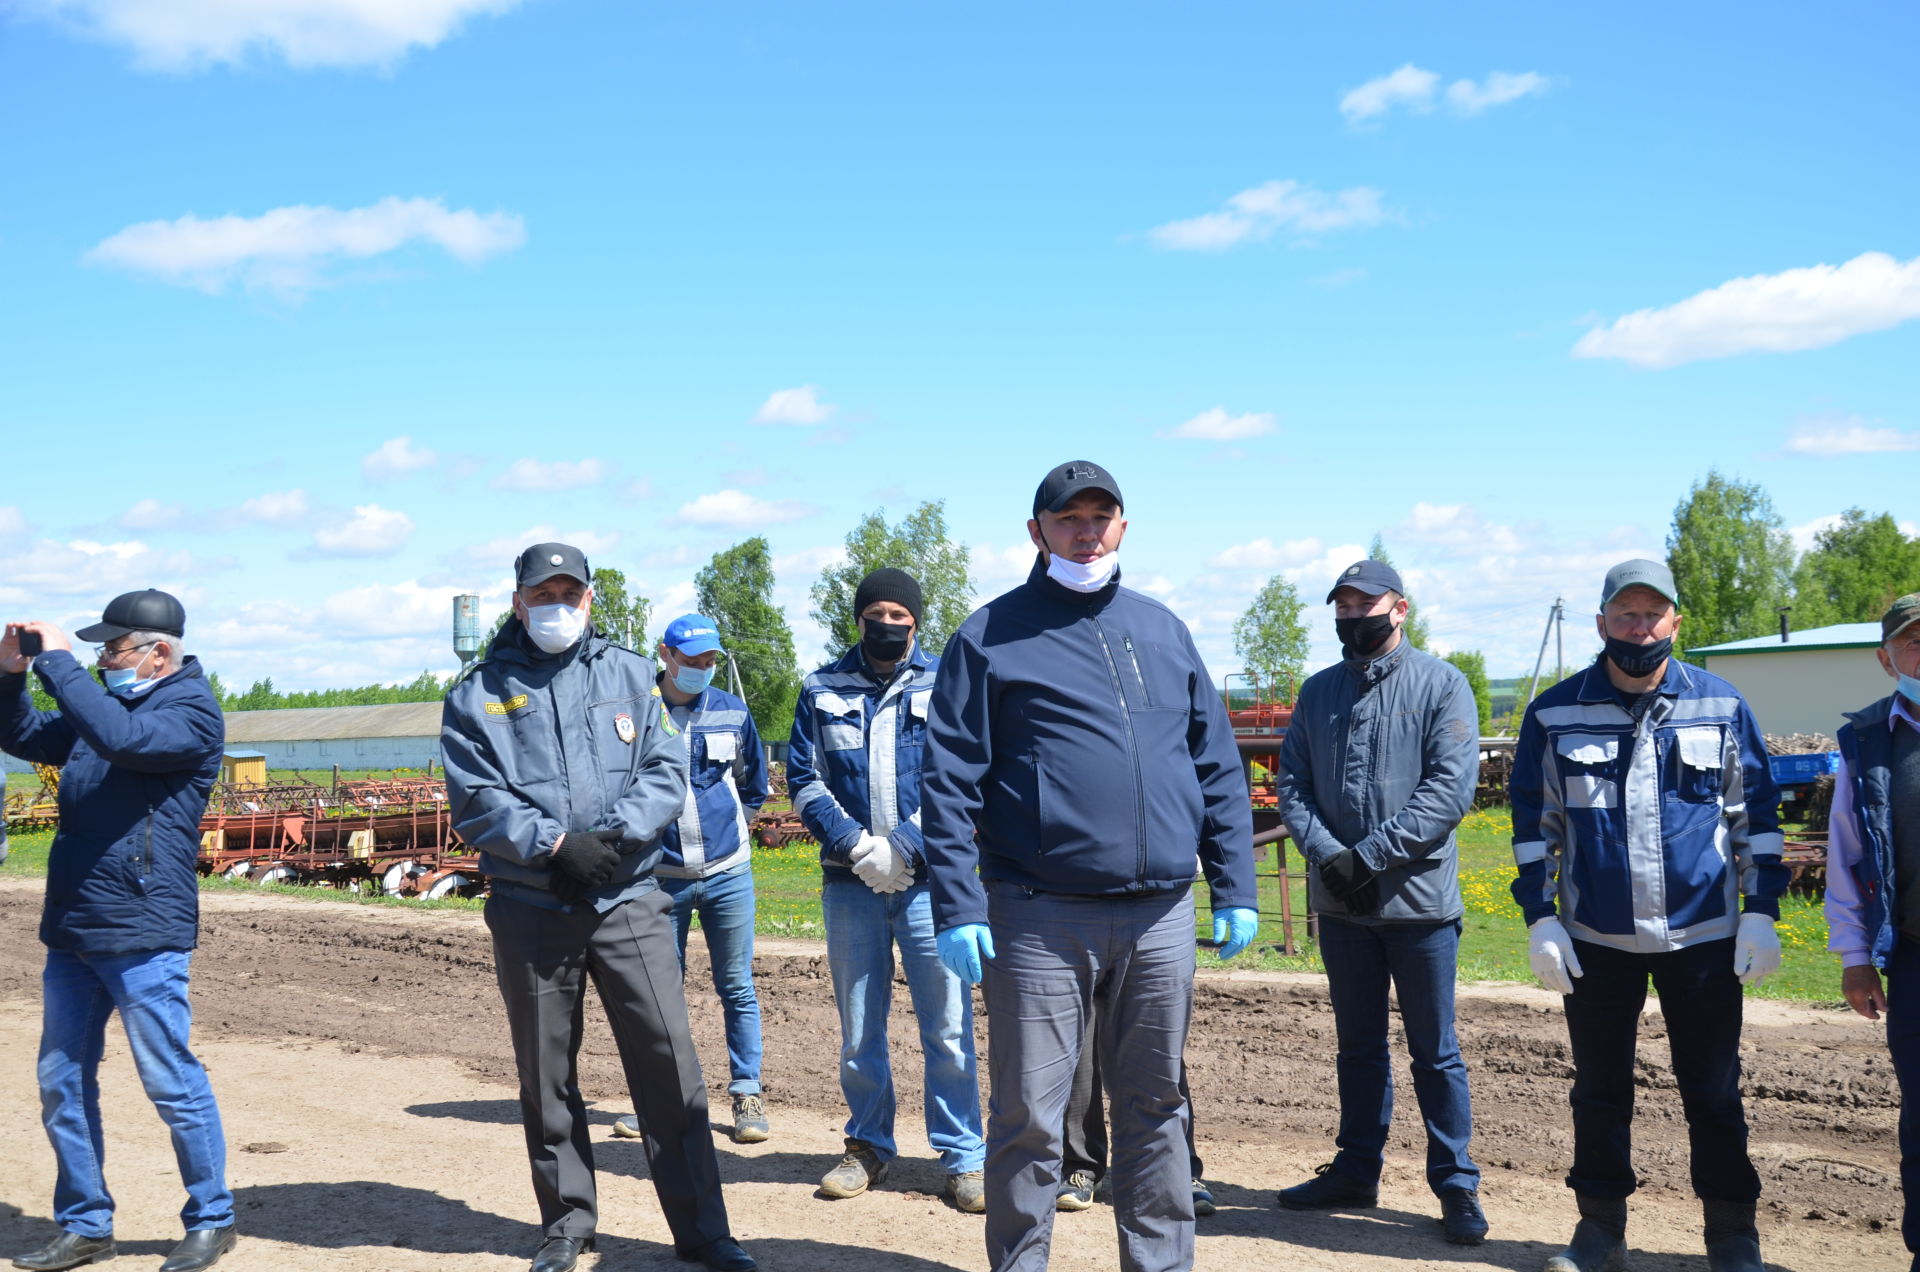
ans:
(554, 559)
(1077, 472)
(1352, 570)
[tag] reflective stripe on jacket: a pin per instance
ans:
(726, 784)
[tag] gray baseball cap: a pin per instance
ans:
(1639, 573)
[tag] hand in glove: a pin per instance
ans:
(1347, 876)
(1550, 951)
(879, 866)
(582, 861)
(962, 948)
(1234, 929)
(1756, 948)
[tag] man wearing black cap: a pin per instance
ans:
(1081, 759)
(122, 912)
(853, 769)
(1377, 771)
(563, 769)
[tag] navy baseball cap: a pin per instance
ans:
(544, 561)
(1639, 572)
(147, 611)
(1058, 487)
(1369, 576)
(692, 634)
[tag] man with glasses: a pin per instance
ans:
(122, 910)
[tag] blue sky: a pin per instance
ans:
(316, 317)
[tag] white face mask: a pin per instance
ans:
(1090, 577)
(556, 628)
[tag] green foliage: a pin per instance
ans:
(1731, 561)
(1854, 571)
(1473, 665)
(1416, 626)
(918, 545)
(735, 590)
(262, 696)
(1271, 639)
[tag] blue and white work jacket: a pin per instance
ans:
(726, 784)
(1645, 833)
(853, 765)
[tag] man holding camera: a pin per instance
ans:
(122, 911)
(563, 769)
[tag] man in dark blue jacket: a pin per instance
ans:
(563, 769)
(1080, 760)
(122, 912)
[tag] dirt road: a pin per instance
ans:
(363, 1070)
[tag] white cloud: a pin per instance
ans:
(400, 609)
(735, 509)
(994, 570)
(1217, 426)
(1804, 535)
(795, 406)
(371, 531)
(1457, 526)
(1772, 313)
(1500, 87)
(151, 514)
(83, 575)
(396, 457)
(1264, 554)
(1831, 436)
(276, 507)
(13, 525)
(559, 474)
(178, 35)
(498, 553)
(289, 250)
(1257, 214)
(1409, 86)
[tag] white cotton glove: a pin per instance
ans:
(1756, 949)
(875, 863)
(1550, 951)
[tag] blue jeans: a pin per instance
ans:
(149, 990)
(862, 929)
(724, 903)
(1420, 960)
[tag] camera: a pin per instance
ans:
(30, 646)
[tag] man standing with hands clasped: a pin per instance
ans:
(1643, 812)
(1082, 758)
(1376, 772)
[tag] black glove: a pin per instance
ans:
(1351, 881)
(581, 863)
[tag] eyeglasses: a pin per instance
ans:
(102, 653)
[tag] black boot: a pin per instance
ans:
(1733, 1243)
(1599, 1240)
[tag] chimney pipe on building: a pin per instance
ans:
(1783, 623)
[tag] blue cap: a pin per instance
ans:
(1369, 576)
(692, 634)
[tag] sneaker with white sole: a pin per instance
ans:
(627, 1127)
(1076, 1191)
(858, 1171)
(750, 1125)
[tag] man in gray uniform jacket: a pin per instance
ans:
(1377, 770)
(562, 770)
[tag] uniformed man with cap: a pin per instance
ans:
(122, 913)
(563, 769)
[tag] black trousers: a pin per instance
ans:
(543, 959)
(1701, 1004)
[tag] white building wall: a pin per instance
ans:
(350, 753)
(1804, 691)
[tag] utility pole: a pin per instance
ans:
(1553, 618)
(1559, 640)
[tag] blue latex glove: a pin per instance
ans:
(962, 948)
(1235, 929)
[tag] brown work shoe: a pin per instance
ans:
(858, 1171)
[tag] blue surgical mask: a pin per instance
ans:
(125, 682)
(692, 680)
(1909, 688)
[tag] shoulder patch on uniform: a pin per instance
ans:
(512, 704)
(666, 720)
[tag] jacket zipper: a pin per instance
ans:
(1146, 695)
(1133, 750)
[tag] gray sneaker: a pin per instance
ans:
(1202, 1199)
(1076, 1191)
(967, 1190)
(750, 1124)
(858, 1171)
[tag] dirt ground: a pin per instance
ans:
(363, 1071)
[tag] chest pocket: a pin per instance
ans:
(1587, 764)
(1698, 755)
(913, 722)
(718, 752)
(841, 722)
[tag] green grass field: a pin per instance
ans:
(1493, 945)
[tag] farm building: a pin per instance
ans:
(393, 735)
(1803, 683)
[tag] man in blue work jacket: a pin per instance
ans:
(853, 772)
(706, 857)
(563, 770)
(1081, 760)
(122, 913)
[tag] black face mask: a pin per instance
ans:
(1638, 660)
(886, 642)
(1360, 637)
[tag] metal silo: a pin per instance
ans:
(466, 627)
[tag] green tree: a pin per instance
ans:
(920, 546)
(1854, 571)
(1271, 639)
(619, 615)
(1473, 665)
(1731, 561)
(735, 590)
(1416, 626)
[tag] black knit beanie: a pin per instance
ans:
(888, 585)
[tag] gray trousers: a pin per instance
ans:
(543, 959)
(1116, 973)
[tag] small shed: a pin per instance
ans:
(244, 768)
(1803, 683)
